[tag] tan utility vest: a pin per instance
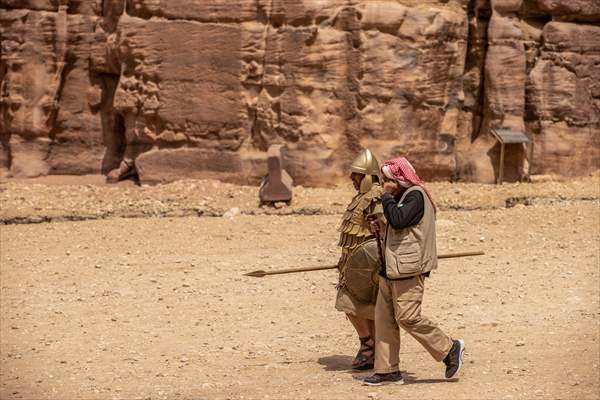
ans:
(411, 251)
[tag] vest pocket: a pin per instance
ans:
(404, 262)
(409, 258)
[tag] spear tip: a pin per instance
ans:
(256, 274)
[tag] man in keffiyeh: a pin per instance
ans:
(410, 255)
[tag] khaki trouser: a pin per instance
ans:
(399, 305)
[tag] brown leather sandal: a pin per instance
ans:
(365, 358)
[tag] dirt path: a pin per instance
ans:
(157, 308)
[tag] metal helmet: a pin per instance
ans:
(366, 164)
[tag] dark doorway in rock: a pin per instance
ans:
(113, 125)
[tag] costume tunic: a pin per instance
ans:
(354, 230)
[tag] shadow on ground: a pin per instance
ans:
(336, 363)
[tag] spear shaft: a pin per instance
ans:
(261, 273)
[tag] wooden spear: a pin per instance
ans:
(261, 273)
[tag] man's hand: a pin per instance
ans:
(375, 224)
(374, 227)
(391, 186)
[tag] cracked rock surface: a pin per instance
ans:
(200, 89)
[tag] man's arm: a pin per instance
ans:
(408, 213)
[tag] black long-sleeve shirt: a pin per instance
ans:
(401, 215)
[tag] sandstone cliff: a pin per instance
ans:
(201, 88)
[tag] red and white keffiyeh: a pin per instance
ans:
(401, 170)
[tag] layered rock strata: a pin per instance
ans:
(201, 88)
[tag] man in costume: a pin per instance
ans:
(354, 231)
(410, 255)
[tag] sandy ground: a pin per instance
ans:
(158, 308)
(63, 198)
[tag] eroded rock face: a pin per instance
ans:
(49, 100)
(202, 88)
(565, 96)
(572, 10)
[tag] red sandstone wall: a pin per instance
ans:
(201, 88)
